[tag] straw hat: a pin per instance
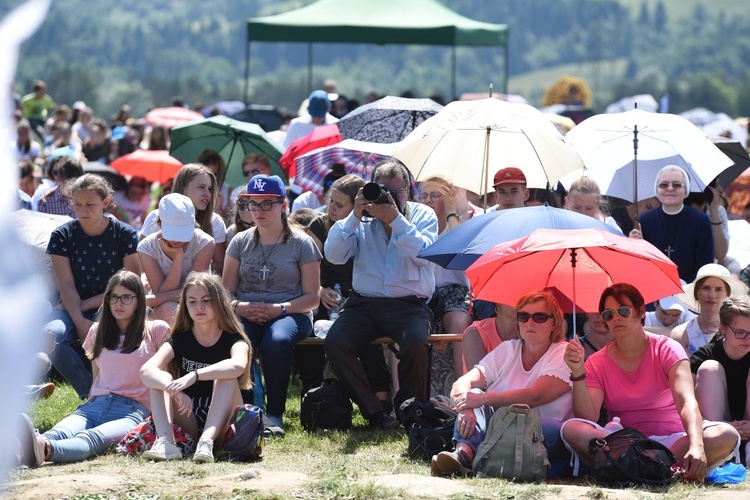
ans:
(736, 287)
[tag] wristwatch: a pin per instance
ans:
(283, 310)
(452, 215)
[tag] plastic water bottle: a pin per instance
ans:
(334, 313)
(613, 426)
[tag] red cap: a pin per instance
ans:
(509, 175)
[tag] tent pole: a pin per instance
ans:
(247, 73)
(453, 76)
(309, 67)
(505, 69)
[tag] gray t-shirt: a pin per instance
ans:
(279, 265)
(150, 246)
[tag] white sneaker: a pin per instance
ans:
(162, 450)
(204, 451)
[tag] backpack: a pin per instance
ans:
(628, 456)
(513, 447)
(326, 407)
(244, 438)
(142, 437)
(430, 428)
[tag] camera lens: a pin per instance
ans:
(372, 191)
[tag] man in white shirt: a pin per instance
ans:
(318, 106)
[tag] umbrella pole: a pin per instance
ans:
(231, 152)
(487, 164)
(635, 170)
(573, 264)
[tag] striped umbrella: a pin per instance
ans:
(358, 157)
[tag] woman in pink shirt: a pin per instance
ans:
(645, 380)
(117, 345)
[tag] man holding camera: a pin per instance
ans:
(384, 234)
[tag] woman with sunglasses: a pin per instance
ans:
(721, 370)
(241, 216)
(450, 302)
(273, 271)
(644, 379)
(529, 370)
(118, 345)
(712, 285)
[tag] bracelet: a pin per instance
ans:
(578, 378)
(197, 377)
(234, 306)
(453, 214)
(716, 223)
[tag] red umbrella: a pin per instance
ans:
(154, 165)
(171, 117)
(576, 264)
(321, 136)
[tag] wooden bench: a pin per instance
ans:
(436, 340)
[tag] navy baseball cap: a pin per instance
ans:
(263, 185)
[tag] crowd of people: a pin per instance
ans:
(163, 303)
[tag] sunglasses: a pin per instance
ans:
(675, 185)
(248, 173)
(524, 317)
(622, 311)
(740, 334)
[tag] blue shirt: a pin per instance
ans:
(386, 267)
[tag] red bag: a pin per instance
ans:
(143, 436)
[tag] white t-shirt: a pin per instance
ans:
(308, 199)
(150, 246)
(653, 320)
(217, 226)
(503, 370)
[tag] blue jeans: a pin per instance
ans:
(94, 427)
(65, 357)
(276, 340)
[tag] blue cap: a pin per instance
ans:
(263, 185)
(118, 133)
(318, 103)
(64, 151)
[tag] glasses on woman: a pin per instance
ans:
(740, 334)
(248, 173)
(622, 311)
(524, 317)
(125, 299)
(675, 185)
(265, 206)
(433, 196)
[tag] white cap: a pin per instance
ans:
(177, 217)
(671, 304)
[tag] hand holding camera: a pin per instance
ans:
(377, 201)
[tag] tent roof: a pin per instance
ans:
(426, 22)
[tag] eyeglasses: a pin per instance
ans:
(524, 317)
(55, 172)
(125, 299)
(740, 334)
(622, 311)
(435, 195)
(253, 207)
(247, 173)
(675, 185)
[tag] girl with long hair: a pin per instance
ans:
(85, 252)
(273, 270)
(199, 184)
(118, 345)
(196, 377)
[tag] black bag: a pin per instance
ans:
(326, 407)
(430, 428)
(627, 456)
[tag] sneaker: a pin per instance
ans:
(204, 451)
(162, 450)
(453, 462)
(384, 421)
(271, 428)
(40, 391)
(31, 454)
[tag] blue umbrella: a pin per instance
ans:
(463, 245)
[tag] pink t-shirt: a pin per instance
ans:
(642, 399)
(120, 373)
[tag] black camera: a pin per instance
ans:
(377, 193)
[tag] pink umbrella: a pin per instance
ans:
(154, 165)
(576, 264)
(171, 117)
(321, 136)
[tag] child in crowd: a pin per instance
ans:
(196, 377)
(170, 254)
(117, 346)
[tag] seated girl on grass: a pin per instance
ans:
(196, 376)
(118, 346)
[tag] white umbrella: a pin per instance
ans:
(644, 102)
(611, 145)
(468, 141)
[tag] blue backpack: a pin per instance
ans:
(244, 438)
